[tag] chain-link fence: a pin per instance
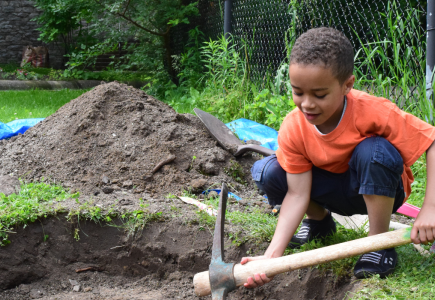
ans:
(392, 32)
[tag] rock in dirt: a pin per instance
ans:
(105, 179)
(198, 184)
(107, 189)
(36, 293)
(115, 134)
(9, 185)
(73, 282)
(212, 194)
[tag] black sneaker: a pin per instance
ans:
(311, 229)
(381, 262)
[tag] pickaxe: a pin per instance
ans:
(225, 277)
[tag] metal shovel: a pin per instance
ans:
(226, 138)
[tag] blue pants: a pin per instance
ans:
(375, 168)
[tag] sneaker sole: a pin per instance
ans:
(367, 274)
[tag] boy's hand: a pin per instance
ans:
(258, 279)
(293, 208)
(423, 230)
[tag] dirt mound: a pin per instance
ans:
(117, 138)
(158, 264)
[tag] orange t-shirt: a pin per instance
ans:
(301, 146)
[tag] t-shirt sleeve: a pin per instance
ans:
(289, 157)
(408, 134)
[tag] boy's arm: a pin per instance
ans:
(292, 211)
(423, 230)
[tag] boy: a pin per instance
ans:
(343, 151)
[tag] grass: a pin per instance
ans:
(35, 200)
(43, 199)
(131, 221)
(414, 278)
(33, 103)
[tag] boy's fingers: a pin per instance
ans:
(250, 283)
(265, 278)
(258, 279)
(244, 260)
(414, 235)
(429, 235)
(422, 235)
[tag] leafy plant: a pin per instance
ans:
(62, 20)
(235, 171)
(140, 27)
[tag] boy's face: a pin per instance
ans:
(319, 95)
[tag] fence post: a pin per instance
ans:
(227, 17)
(430, 50)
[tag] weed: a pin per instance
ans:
(205, 220)
(134, 222)
(235, 171)
(191, 163)
(76, 234)
(174, 208)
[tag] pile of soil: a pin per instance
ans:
(111, 138)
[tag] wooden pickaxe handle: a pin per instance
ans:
(274, 266)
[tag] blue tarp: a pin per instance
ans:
(17, 126)
(231, 195)
(250, 130)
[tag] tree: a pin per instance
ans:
(148, 22)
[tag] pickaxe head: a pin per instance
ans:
(221, 274)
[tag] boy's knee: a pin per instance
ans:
(377, 151)
(377, 167)
(271, 178)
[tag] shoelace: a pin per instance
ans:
(373, 257)
(303, 232)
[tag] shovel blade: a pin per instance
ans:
(219, 131)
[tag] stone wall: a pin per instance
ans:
(17, 31)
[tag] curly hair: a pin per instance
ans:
(326, 46)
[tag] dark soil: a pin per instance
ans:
(106, 144)
(158, 264)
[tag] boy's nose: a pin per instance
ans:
(308, 104)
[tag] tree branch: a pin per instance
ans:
(128, 19)
(126, 7)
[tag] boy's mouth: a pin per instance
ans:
(311, 116)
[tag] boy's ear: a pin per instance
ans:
(348, 84)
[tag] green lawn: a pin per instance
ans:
(33, 103)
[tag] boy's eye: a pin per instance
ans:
(321, 97)
(297, 94)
